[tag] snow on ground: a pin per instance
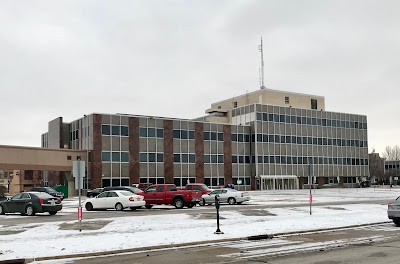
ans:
(39, 240)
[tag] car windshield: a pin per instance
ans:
(126, 193)
(49, 189)
(204, 187)
(136, 190)
(43, 195)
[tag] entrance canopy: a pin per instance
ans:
(278, 182)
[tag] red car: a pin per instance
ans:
(201, 187)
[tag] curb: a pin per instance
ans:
(189, 244)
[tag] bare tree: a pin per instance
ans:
(391, 153)
(376, 165)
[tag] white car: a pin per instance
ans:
(226, 195)
(118, 200)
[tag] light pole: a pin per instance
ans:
(86, 128)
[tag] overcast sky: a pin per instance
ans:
(175, 58)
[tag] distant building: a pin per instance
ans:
(265, 139)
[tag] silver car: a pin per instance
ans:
(226, 195)
(394, 211)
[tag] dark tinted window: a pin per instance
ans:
(143, 132)
(105, 156)
(105, 129)
(160, 132)
(151, 132)
(191, 134)
(115, 130)
(124, 131)
(177, 134)
(160, 188)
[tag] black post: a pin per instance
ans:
(217, 205)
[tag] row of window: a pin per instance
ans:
(151, 132)
(241, 159)
(310, 160)
(392, 166)
(151, 157)
(115, 156)
(302, 120)
(214, 136)
(213, 158)
(240, 138)
(311, 140)
(185, 158)
(183, 134)
(114, 130)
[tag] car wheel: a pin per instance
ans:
(119, 207)
(202, 202)
(178, 203)
(53, 212)
(1, 210)
(29, 210)
(89, 206)
(148, 206)
(396, 222)
(231, 201)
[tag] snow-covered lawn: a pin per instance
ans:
(39, 240)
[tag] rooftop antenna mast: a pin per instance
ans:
(261, 69)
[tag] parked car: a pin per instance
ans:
(393, 211)
(2, 197)
(124, 188)
(94, 192)
(144, 186)
(169, 194)
(201, 187)
(48, 190)
(226, 195)
(117, 199)
(30, 203)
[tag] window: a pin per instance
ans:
(116, 156)
(314, 104)
(116, 130)
(206, 135)
(151, 132)
(191, 134)
(105, 156)
(192, 158)
(286, 99)
(160, 188)
(177, 158)
(105, 129)
(185, 158)
(68, 157)
(184, 134)
(177, 133)
(152, 157)
(124, 156)
(160, 157)
(143, 132)
(220, 136)
(160, 132)
(143, 157)
(124, 131)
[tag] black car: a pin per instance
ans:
(30, 203)
(48, 190)
(123, 188)
(94, 192)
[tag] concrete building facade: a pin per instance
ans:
(258, 134)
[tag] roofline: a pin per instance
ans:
(267, 89)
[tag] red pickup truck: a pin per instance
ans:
(169, 194)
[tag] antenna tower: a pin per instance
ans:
(261, 69)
